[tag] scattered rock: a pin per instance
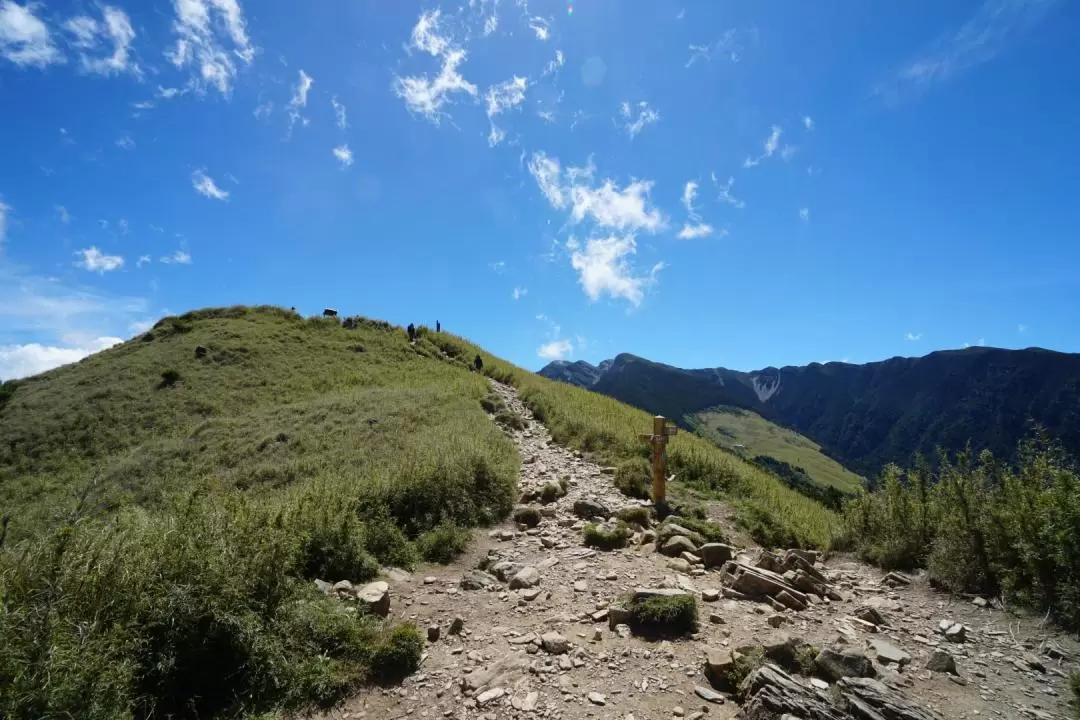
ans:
(554, 643)
(889, 653)
(956, 632)
(529, 703)
(867, 698)
(489, 695)
(478, 580)
(896, 578)
(835, 664)
(941, 661)
(343, 586)
(715, 554)
(597, 699)
(527, 577)
(505, 570)
(777, 620)
(588, 509)
(979, 602)
(710, 594)
(717, 619)
(708, 695)
(324, 587)
(869, 614)
(433, 633)
(1033, 662)
(676, 545)
(456, 625)
(376, 596)
(531, 594)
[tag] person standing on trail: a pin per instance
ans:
(438, 327)
(412, 332)
(478, 364)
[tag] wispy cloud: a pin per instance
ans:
(340, 114)
(344, 155)
(556, 63)
(808, 122)
(143, 260)
(205, 186)
(770, 146)
(422, 94)
(694, 231)
(125, 143)
(299, 101)
(180, 257)
(555, 350)
(723, 192)
(979, 40)
(210, 46)
(1021, 328)
(114, 31)
(24, 37)
(62, 213)
(499, 99)
(645, 116)
(981, 342)
(689, 193)
(519, 292)
(20, 361)
(913, 337)
(498, 266)
(540, 28)
(804, 214)
(727, 44)
(4, 210)
(96, 261)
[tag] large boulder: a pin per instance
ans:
(554, 643)
(888, 653)
(670, 529)
(715, 554)
(588, 509)
(676, 545)
(376, 596)
(527, 577)
(504, 569)
(478, 580)
(941, 661)
(835, 664)
(868, 698)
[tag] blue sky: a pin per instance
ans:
(702, 183)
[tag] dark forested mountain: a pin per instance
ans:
(872, 414)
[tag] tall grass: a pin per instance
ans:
(164, 538)
(983, 526)
(774, 513)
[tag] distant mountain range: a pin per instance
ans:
(868, 415)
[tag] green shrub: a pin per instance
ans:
(511, 419)
(805, 659)
(443, 543)
(551, 492)
(745, 663)
(604, 538)
(664, 616)
(635, 516)
(7, 391)
(169, 378)
(710, 531)
(386, 541)
(492, 403)
(528, 516)
(397, 655)
(633, 478)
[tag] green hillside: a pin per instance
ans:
(171, 500)
(748, 433)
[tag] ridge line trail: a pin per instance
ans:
(648, 679)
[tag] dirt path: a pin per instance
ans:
(496, 666)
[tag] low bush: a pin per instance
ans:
(551, 492)
(443, 544)
(511, 419)
(664, 616)
(745, 663)
(710, 531)
(635, 516)
(397, 654)
(607, 538)
(492, 403)
(528, 516)
(169, 378)
(633, 478)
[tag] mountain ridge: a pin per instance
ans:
(868, 415)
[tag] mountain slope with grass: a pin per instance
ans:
(866, 416)
(169, 502)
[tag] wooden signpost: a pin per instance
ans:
(658, 438)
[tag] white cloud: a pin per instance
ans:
(344, 155)
(692, 232)
(114, 30)
(299, 100)
(913, 337)
(122, 225)
(546, 172)
(143, 105)
(202, 43)
(125, 143)
(205, 186)
(422, 94)
(499, 99)
(96, 261)
(520, 292)
(4, 210)
(555, 64)
(808, 122)
(804, 214)
(540, 27)
(728, 43)
(138, 327)
(978, 41)
(788, 152)
(555, 350)
(646, 116)
(688, 195)
(169, 93)
(603, 267)
(981, 342)
(61, 212)
(491, 24)
(498, 266)
(19, 361)
(339, 113)
(263, 110)
(723, 192)
(771, 144)
(24, 37)
(143, 260)
(180, 257)
(1021, 328)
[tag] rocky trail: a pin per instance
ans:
(545, 630)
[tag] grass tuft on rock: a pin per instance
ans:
(633, 478)
(551, 492)
(527, 516)
(607, 538)
(511, 419)
(635, 516)
(442, 544)
(664, 616)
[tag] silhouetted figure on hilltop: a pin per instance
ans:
(438, 327)
(478, 364)
(412, 332)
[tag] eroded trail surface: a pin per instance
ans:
(540, 634)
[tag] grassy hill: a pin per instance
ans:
(171, 499)
(748, 433)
